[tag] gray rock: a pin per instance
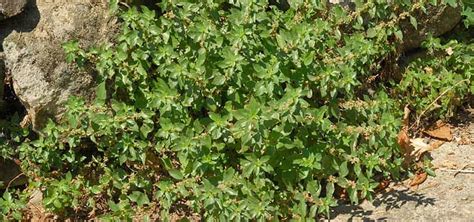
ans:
(437, 21)
(42, 79)
(9, 8)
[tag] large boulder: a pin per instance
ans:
(437, 21)
(9, 8)
(35, 59)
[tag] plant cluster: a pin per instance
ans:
(237, 110)
(440, 79)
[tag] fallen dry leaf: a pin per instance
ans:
(419, 148)
(406, 148)
(403, 138)
(441, 131)
(418, 179)
(382, 185)
(404, 141)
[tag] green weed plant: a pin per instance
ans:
(237, 110)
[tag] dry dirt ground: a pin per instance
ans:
(447, 197)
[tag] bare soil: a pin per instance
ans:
(447, 197)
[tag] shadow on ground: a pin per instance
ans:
(393, 199)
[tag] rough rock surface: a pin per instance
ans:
(9, 8)
(437, 21)
(42, 79)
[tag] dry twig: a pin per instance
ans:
(15, 178)
(436, 100)
(457, 171)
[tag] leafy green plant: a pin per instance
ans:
(440, 80)
(63, 194)
(11, 135)
(236, 110)
(11, 207)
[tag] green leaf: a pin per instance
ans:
(353, 195)
(413, 22)
(73, 120)
(176, 174)
(343, 170)
(430, 172)
(101, 93)
(371, 33)
(329, 189)
(113, 5)
(218, 80)
(452, 3)
(399, 35)
(139, 197)
(146, 128)
(57, 204)
(314, 188)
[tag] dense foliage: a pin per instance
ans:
(237, 110)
